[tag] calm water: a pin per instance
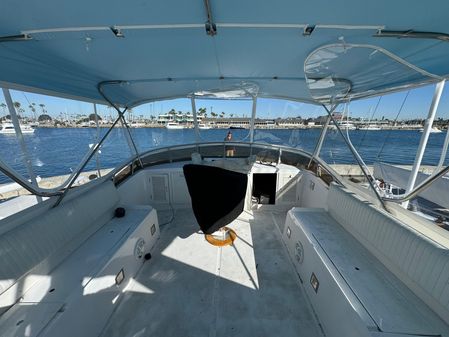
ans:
(58, 151)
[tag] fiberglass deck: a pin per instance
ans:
(191, 288)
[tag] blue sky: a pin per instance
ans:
(416, 106)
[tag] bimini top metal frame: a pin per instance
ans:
(179, 48)
(69, 182)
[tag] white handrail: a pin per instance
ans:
(424, 138)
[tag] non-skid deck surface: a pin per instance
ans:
(190, 288)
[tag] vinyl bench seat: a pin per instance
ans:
(59, 264)
(82, 289)
(37, 240)
(357, 294)
(420, 262)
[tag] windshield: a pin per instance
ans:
(61, 133)
(57, 135)
(387, 132)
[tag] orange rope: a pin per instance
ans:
(221, 243)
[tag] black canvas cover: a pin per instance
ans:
(218, 195)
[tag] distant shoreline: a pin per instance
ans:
(271, 127)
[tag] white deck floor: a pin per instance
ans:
(190, 288)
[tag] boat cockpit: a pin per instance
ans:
(263, 234)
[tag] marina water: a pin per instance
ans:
(58, 151)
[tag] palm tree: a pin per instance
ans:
(232, 115)
(44, 118)
(33, 110)
(17, 107)
(172, 113)
(42, 107)
(3, 106)
(92, 117)
(222, 114)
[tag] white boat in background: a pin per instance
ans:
(8, 129)
(344, 126)
(370, 127)
(137, 124)
(434, 129)
(174, 126)
(202, 126)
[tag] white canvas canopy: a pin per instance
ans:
(166, 49)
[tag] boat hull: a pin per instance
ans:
(174, 127)
(13, 132)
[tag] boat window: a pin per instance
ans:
(10, 149)
(386, 132)
(219, 117)
(170, 122)
(288, 123)
(13, 198)
(161, 124)
(115, 151)
(6, 190)
(58, 134)
(388, 128)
